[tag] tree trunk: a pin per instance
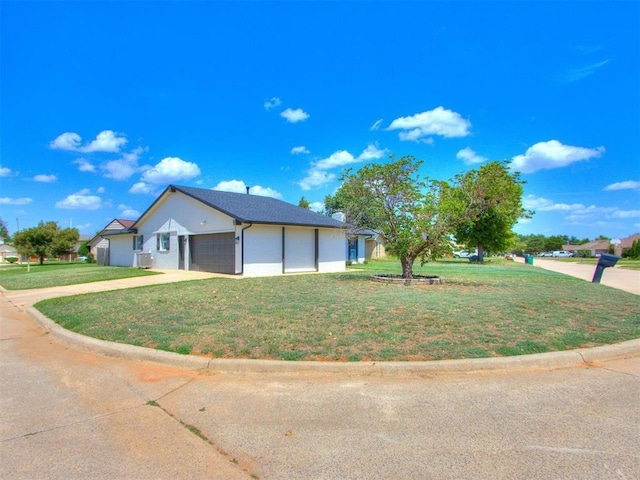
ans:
(407, 266)
(41, 256)
(480, 252)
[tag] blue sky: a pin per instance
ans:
(103, 104)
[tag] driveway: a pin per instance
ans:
(616, 277)
(67, 413)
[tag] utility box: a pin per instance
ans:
(606, 260)
(144, 260)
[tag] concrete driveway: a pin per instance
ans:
(68, 413)
(615, 277)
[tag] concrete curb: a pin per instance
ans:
(540, 361)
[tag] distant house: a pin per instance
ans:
(7, 251)
(364, 244)
(73, 254)
(99, 245)
(590, 249)
(626, 243)
(207, 230)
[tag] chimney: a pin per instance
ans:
(248, 188)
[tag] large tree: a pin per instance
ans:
(496, 198)
(46, 239)
(414, 215)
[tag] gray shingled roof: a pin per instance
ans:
(258, 209)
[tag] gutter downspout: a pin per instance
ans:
(242, 246)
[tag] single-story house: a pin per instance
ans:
(590, 249)
(100, 242)
(7, 251)
(199, 229)
(364, 244)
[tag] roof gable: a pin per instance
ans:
(254, 208)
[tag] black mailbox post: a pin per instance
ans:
(605, 260)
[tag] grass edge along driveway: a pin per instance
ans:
(498, 309)
(56, 274)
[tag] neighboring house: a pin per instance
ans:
(99, 245)
(590, 249)
(207, 230)
(626, 243)
(364, 244)
(7, 251)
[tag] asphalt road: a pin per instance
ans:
(68, 413)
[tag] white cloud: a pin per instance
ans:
(531, 202)
(294, 116)
(272, 103)
(84, 165)
(298, 150)
(552, 154)
(66, 141)
(142, 187)
(128, 212)
(626, 185)
(100, 190)
(438, 121)
(372, 152)
(316, 179)
(15, 201)
(316, 207)
(4, 171)
(626, 214)
(169, 170)
(82, 200)
(105, 141)
(318, 175)
(576, 74)
(238, 186)
(336, 159)
(376, 125)
(469, 157)
(125, 166)
(578, 213)
(45, 178)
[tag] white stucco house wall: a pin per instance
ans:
(207, 230)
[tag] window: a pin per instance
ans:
(162, 242)
(138, 242)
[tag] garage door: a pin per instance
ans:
(214, 253)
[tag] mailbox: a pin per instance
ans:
(608, 260)
(605, 260)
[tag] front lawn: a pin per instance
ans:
(498, 309)
(23, 277)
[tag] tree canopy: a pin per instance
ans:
(496, 200)
(414, 215)
(47, 239)
(417, 216)
(304, 203)
(4, 231)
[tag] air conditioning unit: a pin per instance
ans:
(144, 260)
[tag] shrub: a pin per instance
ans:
(11, 259)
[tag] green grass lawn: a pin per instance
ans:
(497, 309)
(23, 277)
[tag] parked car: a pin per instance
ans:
(545, 254)
(462, 254)
(561, 253)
